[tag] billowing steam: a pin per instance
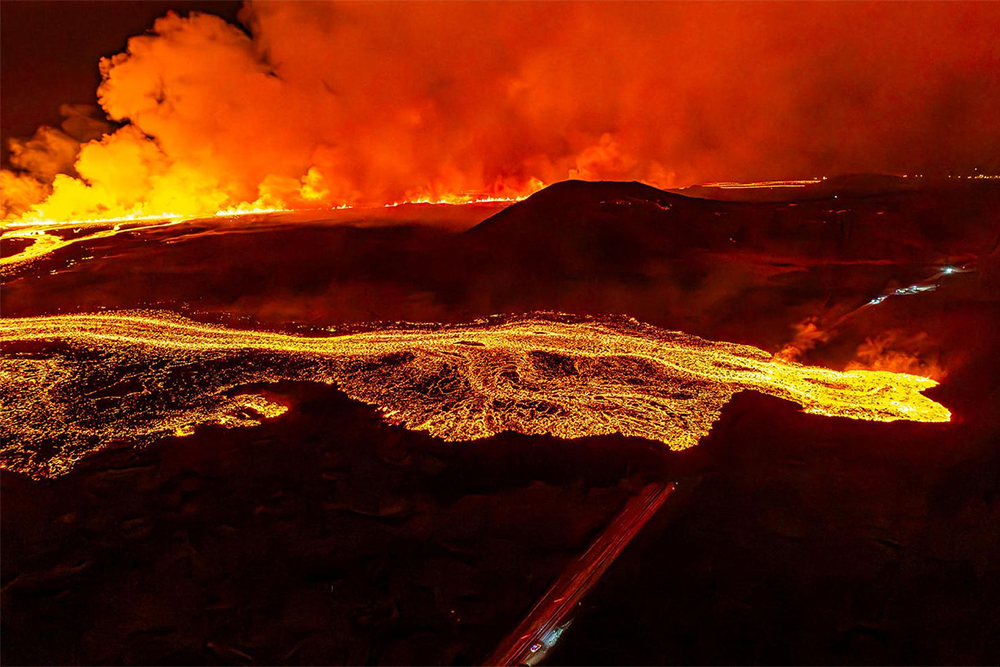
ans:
(319, 104)
(900, 352)
(809, 334)
(50, 152)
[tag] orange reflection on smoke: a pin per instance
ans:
(46, 235)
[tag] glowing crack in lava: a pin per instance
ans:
(70, 384)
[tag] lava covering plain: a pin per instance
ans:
(398, 493)
(84, 380)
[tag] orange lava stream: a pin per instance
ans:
(48, 235)
(757, 185)
(84, 380)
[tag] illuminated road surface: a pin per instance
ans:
(71, 384)
(540, 629)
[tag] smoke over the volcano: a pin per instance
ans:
(50, 152)
(320, 103)
(899, 352)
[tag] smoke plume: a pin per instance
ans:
(50, 152)
(899, 352)
(809, 334)
(314, 104)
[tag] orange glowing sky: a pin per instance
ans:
(312, 104)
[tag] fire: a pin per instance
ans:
(504, 195)
(763, 185)
(322, 104)
(48, 235)
(559, 375)
(42, 217)
(248, 209)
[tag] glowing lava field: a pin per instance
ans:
(532, 333)
(145, 375)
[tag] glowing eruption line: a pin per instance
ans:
(756, 185)
(535, 375)
(45, 240)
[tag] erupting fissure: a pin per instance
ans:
(48, 235)
(77, 382)
(319, 104)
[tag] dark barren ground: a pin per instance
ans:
(322, 536)
(326, 536)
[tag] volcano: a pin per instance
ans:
(411, 503)
(499, 333)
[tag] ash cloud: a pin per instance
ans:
(900, 352)
(313, 103)
(51, 151)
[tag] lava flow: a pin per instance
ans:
(72, 383)
(763, 185)
(41, 236)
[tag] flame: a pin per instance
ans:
(505, 195)
(248, 209)
(559, 375)
(75, 203)
(45, 232)
(763, 185)
(320, 104)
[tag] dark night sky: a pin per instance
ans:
(52, 48)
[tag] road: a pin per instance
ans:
(540, 629)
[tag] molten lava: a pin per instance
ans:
(47, 235)
(763, 185)
(82, 381)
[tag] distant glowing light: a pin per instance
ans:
(915, 289)
(904, 291)
(951, 270)
(757, 185)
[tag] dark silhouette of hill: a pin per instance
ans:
(581, 227)
(743, 272)
(611, 225)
